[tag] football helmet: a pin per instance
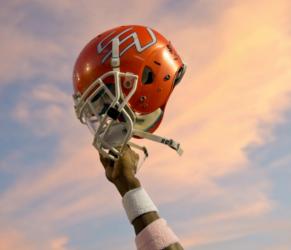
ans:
(122, 81)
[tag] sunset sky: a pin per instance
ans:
(230, 190)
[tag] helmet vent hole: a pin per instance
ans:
(147, 75)
(167, 77)
(180, 75)
(157, 63)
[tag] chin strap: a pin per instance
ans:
(171, 143)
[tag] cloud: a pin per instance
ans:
(216, 234)
(59, 243)
(239, 94)
(279, 247)
(232, 101)
(71, 186)
(41, 42)
(21, 52)
(236, 90)
(14, 240)
(44, 109)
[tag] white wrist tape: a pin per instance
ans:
(137, 202)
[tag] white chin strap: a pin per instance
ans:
(171, 143)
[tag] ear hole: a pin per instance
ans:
(147, 75)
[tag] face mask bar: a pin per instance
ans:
(108, 116)
(101, 110)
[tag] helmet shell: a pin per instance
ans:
(143, 52)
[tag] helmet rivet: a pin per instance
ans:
(142, 98)
(127, 84)
(167, 77)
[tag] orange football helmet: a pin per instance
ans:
(122, 81)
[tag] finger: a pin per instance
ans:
(116, 168)
(106, 162)
(118, 165)
(136, 161)
(127, 148)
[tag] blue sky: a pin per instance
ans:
(230, 190)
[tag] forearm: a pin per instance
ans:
(144, 220)
(152, 232)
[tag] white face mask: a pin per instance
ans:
(105, 111)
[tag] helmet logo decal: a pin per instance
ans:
(136, 42)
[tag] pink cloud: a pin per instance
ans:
(220, 232)
(44, 109)
(243, 86)
(17, 240)
(21, 51)
(12, 239)
(59, 243)
(19, 58)
(253, 209)
(238, 79)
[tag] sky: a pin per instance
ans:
(231, 113)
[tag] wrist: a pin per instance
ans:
(125, 185)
